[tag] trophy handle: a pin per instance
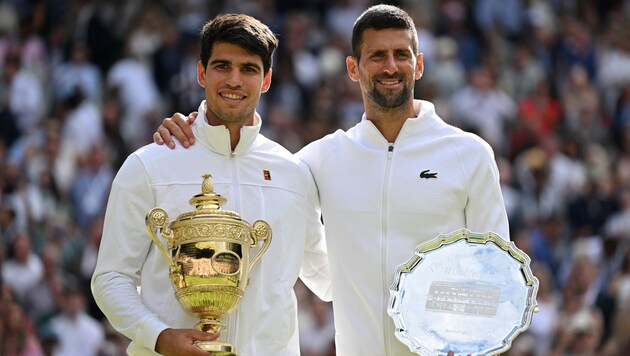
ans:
(157, 218)
(260, 231)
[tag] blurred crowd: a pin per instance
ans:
(83, 83)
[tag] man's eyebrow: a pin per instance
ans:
(220, 61)
(252, 64)
(246, 64)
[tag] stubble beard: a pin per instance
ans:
(389, 99)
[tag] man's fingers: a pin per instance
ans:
(178, 127)
(169, 128)
(184, 123)
(206, 336)
(165, 135)
(157, 138)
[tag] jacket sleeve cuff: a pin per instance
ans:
(148, 334)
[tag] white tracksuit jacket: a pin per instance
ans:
(265, 323)
(378, 205)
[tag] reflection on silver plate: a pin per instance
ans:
(469, 292)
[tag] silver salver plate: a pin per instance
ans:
(469, 292)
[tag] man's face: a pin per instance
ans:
(388, 67)
(233, 82)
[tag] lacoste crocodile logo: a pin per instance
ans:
(426, 174)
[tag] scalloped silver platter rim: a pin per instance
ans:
(487, 240)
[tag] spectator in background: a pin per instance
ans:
(22, 196)
(533, 173)
(77, 73)
(502, 16)
(455, 23)
(26, 99)
(145, 36)
(77, 332)
(540, 117)
(521, 78)
(8, 229)
(618, 223)
(45, 298)
(613, 65)
(23, 270)
(17, 337)
(82, 124)
(447, 72)
(138, 94)
(589, 209)
(578, 95)
(576, 48)
(166, 63)
(545, 322)
(582, 320)
(91, 186)
(482, 107)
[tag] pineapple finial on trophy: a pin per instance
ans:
(207, 199)
(206, 186)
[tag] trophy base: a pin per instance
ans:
(216, 348)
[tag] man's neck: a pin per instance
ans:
(234, 128)
(235, 133)
(390, 121)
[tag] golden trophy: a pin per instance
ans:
(208, 255)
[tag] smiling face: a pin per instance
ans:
(233, 81)
(387, 67)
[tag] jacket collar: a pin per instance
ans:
(425, 121)
(217, 138)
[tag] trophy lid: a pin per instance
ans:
(208, 202)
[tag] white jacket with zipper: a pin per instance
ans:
(261, 180)
(379, 200)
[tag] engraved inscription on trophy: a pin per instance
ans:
(463, 298)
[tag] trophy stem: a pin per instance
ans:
(214, 348)
(209, 324)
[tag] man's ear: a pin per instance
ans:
(352, 66)
(266, 82)
(419, 66)
(201, 74)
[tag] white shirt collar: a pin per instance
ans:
(217, 138)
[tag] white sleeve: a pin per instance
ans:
(315, 271)
(485, 210)
(122, 253)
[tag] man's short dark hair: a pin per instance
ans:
(241, 30)
(380, 17)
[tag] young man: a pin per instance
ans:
(400, 177)
(259, 178)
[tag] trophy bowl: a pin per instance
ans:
(208, 252)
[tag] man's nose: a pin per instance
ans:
(234, 79)
(390, 66)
